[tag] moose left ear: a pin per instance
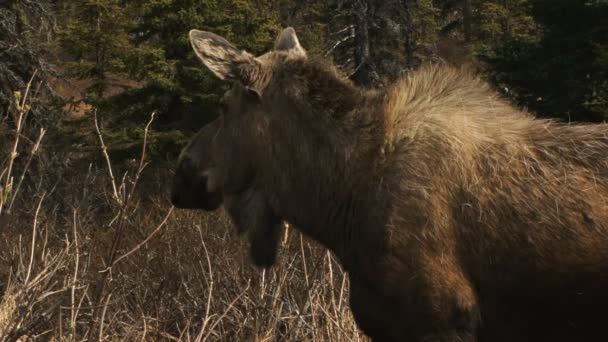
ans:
(222, 58)
(288, 41)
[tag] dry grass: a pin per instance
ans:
(85, 255)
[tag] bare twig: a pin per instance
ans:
(19, 116)
(209, 285)
(338, 43)
(123, 202)
(142, 158)
(154, 232)
(104, 150)
(347, 28)
(228, 308)
(286, 234)
(75, 278)
(304, 261)
(33, 151)
(103, 315)
(33, 249)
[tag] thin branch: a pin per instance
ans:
(356, 69)
(35, 149)
(29, 268)
(143, 148)
(338, 43)
(210, 285)
(219, 319)
(349, 27)
(22, 110)
(75, 278)
(154, 232)
(103, 316)
(104, 150)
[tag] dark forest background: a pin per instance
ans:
(91, 248)
(129, 58)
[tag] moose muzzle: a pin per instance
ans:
(190, 188)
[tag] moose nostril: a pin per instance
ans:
(187, 166)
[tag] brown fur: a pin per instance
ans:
(457, 216)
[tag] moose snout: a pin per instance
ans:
(183, 183)
(190, 190)
(187, 167)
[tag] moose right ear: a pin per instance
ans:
(288, 41)
(222, 58)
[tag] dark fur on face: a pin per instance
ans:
(457, 216)
(195, 184)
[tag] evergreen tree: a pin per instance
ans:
(379, 40)
(499, 21)
(96, 35)
(26, 29)
(310, 19)
(114, 41)
(565, 73)
(174, 83)
(145, 42)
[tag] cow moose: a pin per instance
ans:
(457, 216)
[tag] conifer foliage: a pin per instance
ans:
(134, 57)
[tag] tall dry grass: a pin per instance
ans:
(95, 254)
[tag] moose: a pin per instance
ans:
(457, 215)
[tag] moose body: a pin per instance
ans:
(457, 216)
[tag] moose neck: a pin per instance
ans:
(324, 139)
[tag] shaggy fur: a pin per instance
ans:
(457, 216)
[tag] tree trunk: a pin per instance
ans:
(407, 32)
(467, 14)
(362, 57)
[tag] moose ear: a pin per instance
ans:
(222, 58)
(288, 41)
